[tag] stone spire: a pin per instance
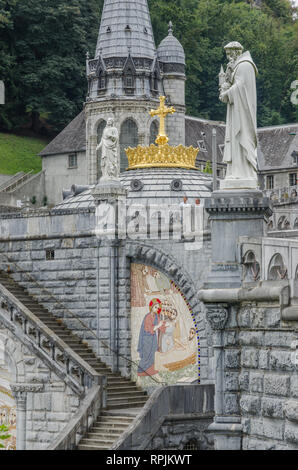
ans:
(125, 26)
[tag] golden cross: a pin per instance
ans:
(162, 113)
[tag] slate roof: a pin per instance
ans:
(276, 144)
(198, 133)
(116, 40)
(71, 139)
(156, 188)
(170, 50)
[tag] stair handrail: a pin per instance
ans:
(52, 350)
(82, 422)
(12, 184)
(72, 314)
(11, 180)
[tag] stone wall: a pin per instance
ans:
(80, 278)
(268, 379)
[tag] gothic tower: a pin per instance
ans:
(124, 80)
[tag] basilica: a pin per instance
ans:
(149, 307)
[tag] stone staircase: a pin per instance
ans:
(122, 394)
(107, 430)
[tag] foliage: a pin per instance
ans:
(43, 45)
(208, 168)
(3, 434)
(20, 153)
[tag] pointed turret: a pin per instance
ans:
(125, 25)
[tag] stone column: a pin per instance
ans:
(20, 392)
(226, 427)
(110, 193)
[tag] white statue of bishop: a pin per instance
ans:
(238, 90)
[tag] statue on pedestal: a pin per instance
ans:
(110, 166)
(238, 90)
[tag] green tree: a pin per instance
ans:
(3, 435)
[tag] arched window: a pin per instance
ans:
(128, 138)
(191, 445)
(153, 132)
(100, 128)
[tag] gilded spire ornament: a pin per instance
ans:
(162, 155)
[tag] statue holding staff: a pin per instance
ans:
(238, 90)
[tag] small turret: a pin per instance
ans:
(171, 57)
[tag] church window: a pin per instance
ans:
(153, 132)
(270, 182)
(293, 179)
(128, 138)
(50, 255)
(72, 161)
(100, 128)
(102, 81)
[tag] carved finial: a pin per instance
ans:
(87, 55)
(170, 28)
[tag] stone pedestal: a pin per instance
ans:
(233, 214)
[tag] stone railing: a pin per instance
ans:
(283, 220)
(43, 342)
(83, 420)
(175, 401)
(287, 195)
(12, 184)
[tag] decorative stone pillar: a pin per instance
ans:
(19, 392)
(233, 214)
(226, 428)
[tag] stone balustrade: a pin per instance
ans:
(286, 195)
(40, 340)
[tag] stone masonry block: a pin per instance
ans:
(249, 358)
(232, 358)
(272, 407)
(256, 382)
(291, 410)
(250, 404)
(277, 384)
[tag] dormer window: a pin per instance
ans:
(128, 29)
(129, 81)
(109, 30)
(145, 30)
(102, 81)
(294, 155)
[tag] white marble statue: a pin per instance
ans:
(110, 166)
(238, 90)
